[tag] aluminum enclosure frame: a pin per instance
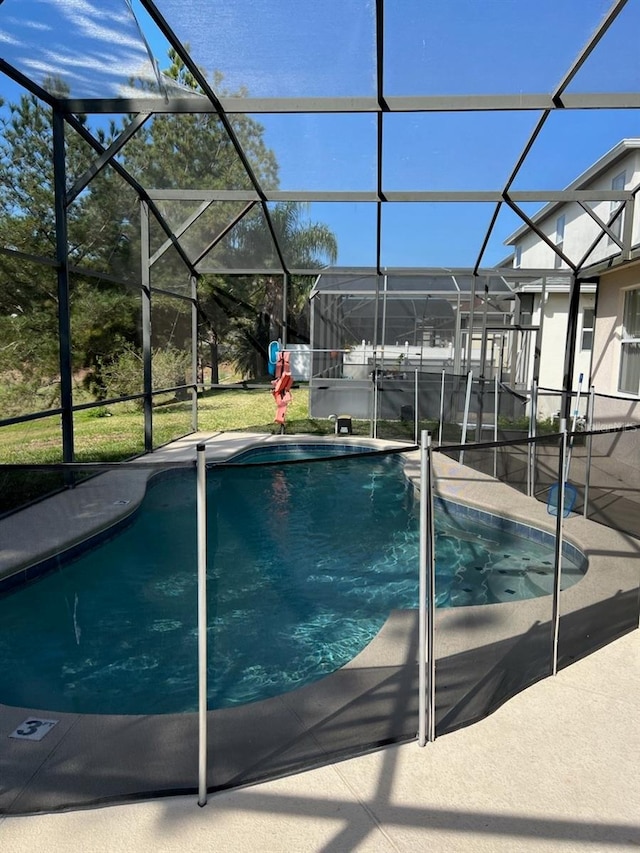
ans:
(209, 101)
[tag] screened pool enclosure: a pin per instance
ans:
(193, 179)
(186, 185)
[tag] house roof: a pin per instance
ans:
(583, 181)
(449, 283)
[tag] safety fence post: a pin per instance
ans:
(533, 431)
(557, 568)
(465, 418)
(201, 504)
(589, 426)
(426, 586)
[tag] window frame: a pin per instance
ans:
(629, 339)
(587, 328)
(517, 256)
(561, 224)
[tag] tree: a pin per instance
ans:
(303, 244)
(169, 151)
(99, 230)
(195, 151)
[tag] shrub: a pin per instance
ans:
(123, 376)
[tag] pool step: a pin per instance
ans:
(512, 578)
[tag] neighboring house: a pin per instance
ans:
(545, 304)
(605, 249)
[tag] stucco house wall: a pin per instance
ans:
(607, 349)
(552, 315)
(601, 367)
(580, 229)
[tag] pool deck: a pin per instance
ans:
(554, 769)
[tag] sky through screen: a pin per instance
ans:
(431, 48)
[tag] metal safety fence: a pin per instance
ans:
(185, 627)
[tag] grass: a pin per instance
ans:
(116, 432)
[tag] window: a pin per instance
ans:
(630, 356)
(517, 260)
(617, 184)
(560, 223)
(525, 313)
(588, 316)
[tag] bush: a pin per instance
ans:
(123, 376)
(20, 397)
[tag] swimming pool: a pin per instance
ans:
(306, 561)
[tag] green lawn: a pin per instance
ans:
(114, 433)
(117, 432)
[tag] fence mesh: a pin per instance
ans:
(306, 663)
(312, 587)
(604, 470)
(92, 636)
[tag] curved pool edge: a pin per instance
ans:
(248, 744)
(107, 500)
(492, 502)
(599, 544)
(225, 451)
(95, 506)
(113, 743)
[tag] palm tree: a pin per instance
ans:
(303, 244)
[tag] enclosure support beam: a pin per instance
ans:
(194, 352)
(441, 415)
(416, 407)
(470, 322)
(627, 228)
(206, 88)
(374, 374)
(147, 383)
(457, 350)
(64, 315)
(185, 104)
(107, 155)
(496, 411)
(285, 301)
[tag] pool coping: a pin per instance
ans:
(598, 543)
(91, 504)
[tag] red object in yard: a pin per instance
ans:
(281, 389)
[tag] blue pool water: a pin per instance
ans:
(305, 563)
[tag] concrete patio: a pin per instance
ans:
(555, 769)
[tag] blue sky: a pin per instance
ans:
(461, 46)
(304, 48)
